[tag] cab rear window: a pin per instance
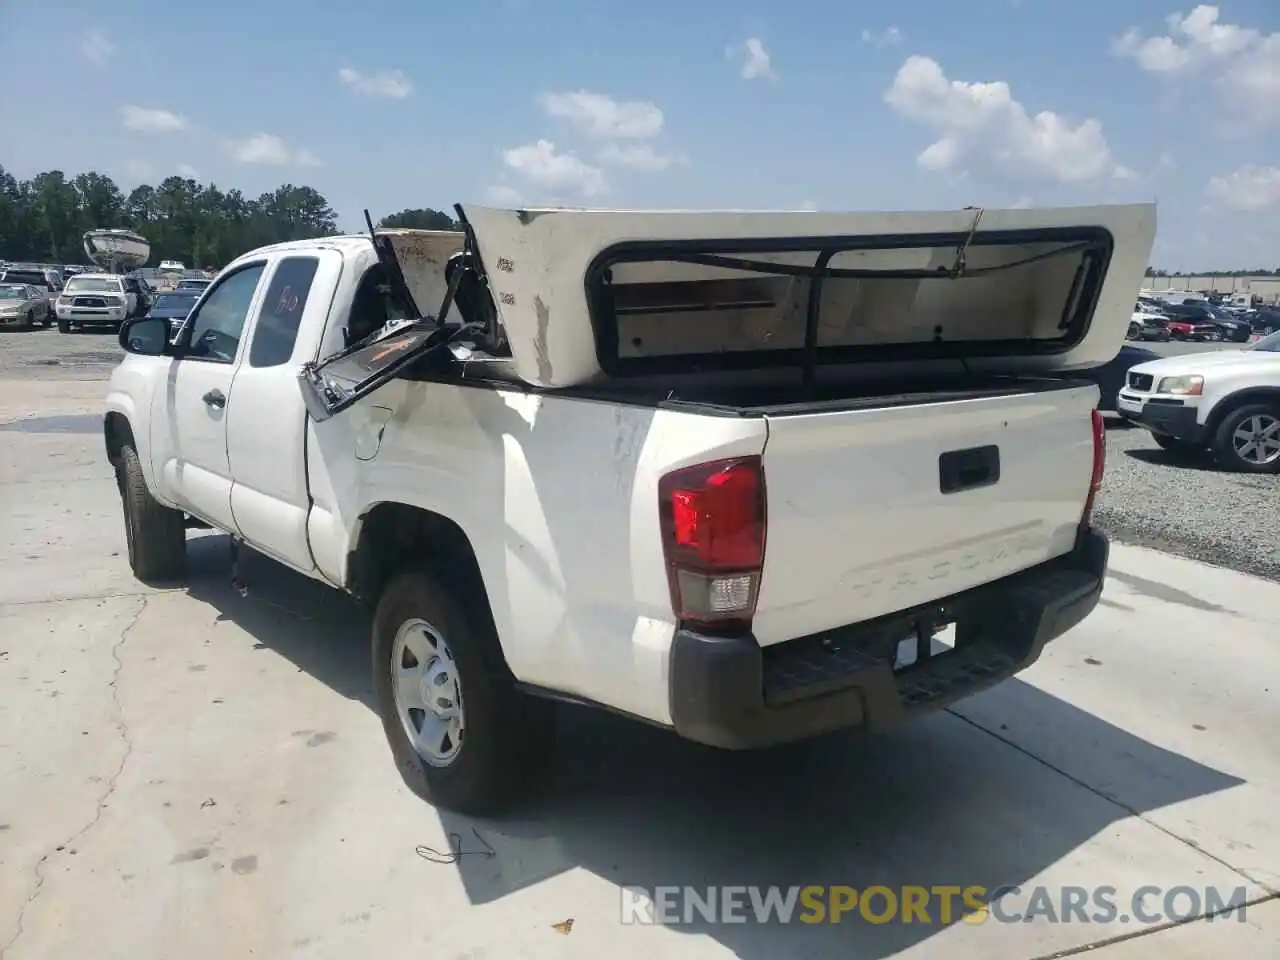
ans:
(281, 313)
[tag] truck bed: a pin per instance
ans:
(882, 496)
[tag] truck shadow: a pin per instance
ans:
(1199, 460)
(944, 800)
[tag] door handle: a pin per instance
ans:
(215, 398)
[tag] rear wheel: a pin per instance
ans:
(1248, 439)
(156, 535)
(461, 734)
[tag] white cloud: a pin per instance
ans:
(96, 46)
(1243, 62)
(387, 83)
(639, 156)
(1250, 189)
(982, 123)
(151, 120)
(1125, 174)
(756, 62)
(269, 150)
(601, 116)
(504, 195)
(188, 171)
(1154, 54)
(543, 165)
(889, 37)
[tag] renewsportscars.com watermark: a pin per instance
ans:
(936, 905)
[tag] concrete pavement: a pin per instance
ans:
(195, 773)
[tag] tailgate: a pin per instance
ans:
(859, 524)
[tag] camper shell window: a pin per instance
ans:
(662, 307)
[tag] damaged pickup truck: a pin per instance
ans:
(750, 477)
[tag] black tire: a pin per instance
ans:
(64, 326)
(1134, 332)
(31, 320)
(507, 737)
(1225, 448)
(156, 535)
(1175, 445)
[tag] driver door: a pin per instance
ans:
(196, 469)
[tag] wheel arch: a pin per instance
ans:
(394, 537)
(1234, 401)
(117, 432)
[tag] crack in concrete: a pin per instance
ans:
(90, 596)
(1269, 892)
(1157, 928)
(1132, 811)
(113, 781)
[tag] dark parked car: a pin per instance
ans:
(174, 307)
(1264, 320)
(1110, 376)
(1199, 312)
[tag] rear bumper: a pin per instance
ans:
(729, 692)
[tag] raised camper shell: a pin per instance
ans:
(587, 295)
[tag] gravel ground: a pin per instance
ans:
(1149, 497)
(1187, 506)
(48, 355)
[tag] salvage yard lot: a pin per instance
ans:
(198, 773)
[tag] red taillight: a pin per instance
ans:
(1099, 466)
(713, 532)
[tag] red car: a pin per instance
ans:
(1186, 328)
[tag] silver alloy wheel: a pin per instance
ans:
(1256, 439)
(427, 691)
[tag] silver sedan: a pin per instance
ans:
(23, 305)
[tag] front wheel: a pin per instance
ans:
(461, 734)
(1248, 439)
(156, 535)
(31, 319)
(64, 326)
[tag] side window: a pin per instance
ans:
(278, 320)
(216, 326)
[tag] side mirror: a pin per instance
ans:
(146, 336)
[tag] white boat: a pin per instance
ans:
(117, 251)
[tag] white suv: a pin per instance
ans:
(97, 299)
(1225, 401)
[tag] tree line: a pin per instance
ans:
(44, 219)
(1156, 272)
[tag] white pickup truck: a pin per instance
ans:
(728, 473)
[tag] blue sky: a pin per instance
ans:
(810, 103)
